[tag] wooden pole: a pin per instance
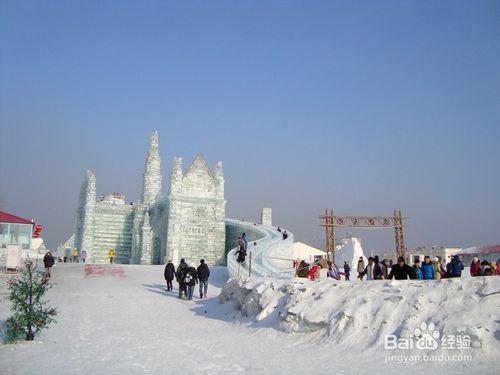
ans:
(330, 234)
(250, 264)
(396, 233)
(327, 238)
(333, 236)
(402, 236)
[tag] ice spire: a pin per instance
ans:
(199, 166)
(151, 190)
(219, 178)
(146, 240)
(218, 170)
(84, 237)
(176, 176)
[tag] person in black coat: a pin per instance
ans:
(180, 274)
(456, 266)
(241, 253)
(203, 274)
(303, 270)
(169, 275)
(191, 279)
(402, 271)
(377, 270)
(48, 262)
(347, 270)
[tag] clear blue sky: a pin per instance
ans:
(358, 106)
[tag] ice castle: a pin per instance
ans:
(188, 223)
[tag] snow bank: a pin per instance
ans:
(359, 315)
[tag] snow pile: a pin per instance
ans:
(359, 315)
(255, 299)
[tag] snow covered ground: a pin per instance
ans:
(121, 320)
(463, 314)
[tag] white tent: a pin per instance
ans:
(306, 252)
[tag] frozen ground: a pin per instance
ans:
(124, 322)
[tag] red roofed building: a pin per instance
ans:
(14, 230)
(5, 217)
(489, 253)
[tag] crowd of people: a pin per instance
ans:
(484, 268)
(187, 276)
(385, 270)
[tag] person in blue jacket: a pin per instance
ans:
(456, 266)
(428, 271)
(417, 270)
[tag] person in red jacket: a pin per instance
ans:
(474, 266)
(314, 272)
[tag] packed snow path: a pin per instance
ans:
(126, 323)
